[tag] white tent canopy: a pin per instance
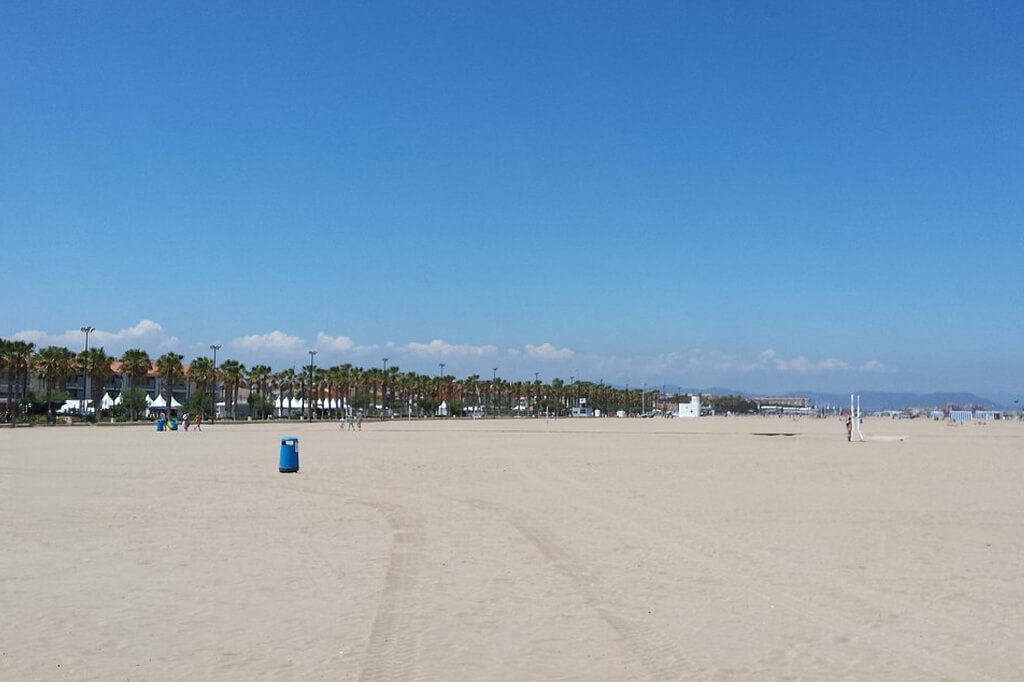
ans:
(73, 406)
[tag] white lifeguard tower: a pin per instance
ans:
(690, 409)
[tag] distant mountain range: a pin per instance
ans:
(870, 401)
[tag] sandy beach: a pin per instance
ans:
(600, 549)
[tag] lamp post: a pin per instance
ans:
(215, 347)
(536, 403)
(440, 379)
(310, 391)
(384, 388)
(87, 330)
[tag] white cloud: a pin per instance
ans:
(873, 366)
(439, 348)
(147, 334)
(800, 364)
(546, 351)
(325, 342)
(274, 342)
(692, 360)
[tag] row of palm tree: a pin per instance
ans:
(377, 389)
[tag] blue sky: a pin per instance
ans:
(765, 196)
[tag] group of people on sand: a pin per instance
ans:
(354, 421)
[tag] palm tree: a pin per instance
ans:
(334, 380)
(287, 379)
(259, 375)
(135, 364)
(16, 358)
(96, 365)
(54, 364)
(359, 385)
(168, 366)
(276, 389)
(348, 379)
(202, 373)
(389, 386)
(5, 363)
(558, 395)
(232, 373)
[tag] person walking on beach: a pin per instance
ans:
(849, 428)
(186, 420)
(359, 419)
(199, 421)
(351, 422)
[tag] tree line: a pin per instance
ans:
(379, 391)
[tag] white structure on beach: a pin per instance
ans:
(690, 409)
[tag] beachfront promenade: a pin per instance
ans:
(588, 549)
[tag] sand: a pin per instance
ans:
(601, 549)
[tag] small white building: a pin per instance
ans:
(690, 409)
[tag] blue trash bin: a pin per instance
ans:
(174, 425)
(289, 463)
(159, 424)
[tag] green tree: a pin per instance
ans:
(96, 365)
(171, 371)
(16, 359)
(5, 368)
(133, 402)
(201, 373)
(288, 383)
(54, 365)
(135, 364)
(259, 378)
(232, 373)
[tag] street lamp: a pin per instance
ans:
(440, 379)
(215, 347)
(87, 330)
(536, 403)
(310, 390)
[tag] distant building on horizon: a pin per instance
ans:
(790, 404)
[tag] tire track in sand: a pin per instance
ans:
(752, 571)
(659, 656)
(395, 636)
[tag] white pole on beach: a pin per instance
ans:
(860, 434)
